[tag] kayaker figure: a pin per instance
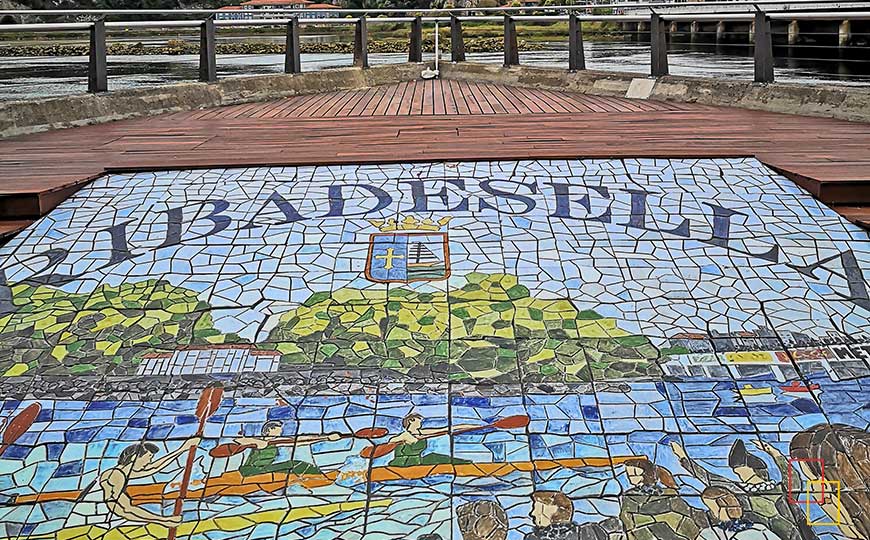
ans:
(262, 459)
(412, 442)
(106, 502)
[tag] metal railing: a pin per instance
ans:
(657, 16)
(790, 5)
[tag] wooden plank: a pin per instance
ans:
(481, 97)
(458, 98)
(468, 94)
(388, 97)
(351, 103)
(450, 105)
(363, 103)
(505, 99)
(334, 107)
(416, 101)
(438, 105)
(398, 98)
(299, 108)
(528, 99)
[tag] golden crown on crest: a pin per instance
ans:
(409, 223)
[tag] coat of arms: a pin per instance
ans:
(408, 250)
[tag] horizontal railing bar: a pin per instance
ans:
(45, 27)
(797, 16)
(344, 20)
(281, 22)
(154, 24)
(618, 18)
(734, 16)
(673, 17)
(480, 18)
(384, 20)
(749, 4)
(537, 18)
(252, 22)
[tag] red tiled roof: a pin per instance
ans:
(275, 2)
(213, 346)
(229, 8)
(689, 335)
(157, 355)
(322, 6)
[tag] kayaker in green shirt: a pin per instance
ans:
(412, 443)
(263, 456)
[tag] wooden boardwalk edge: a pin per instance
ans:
(434, 121)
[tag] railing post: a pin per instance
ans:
(98, 80)
(361, 44)
(763, 49)
(292, 58)
(415, 47)
(457, 42)
(658, 46)
(511, 49)
(576, 58)
(207, 59)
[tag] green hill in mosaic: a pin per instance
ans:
(53, 332)
(489, 329)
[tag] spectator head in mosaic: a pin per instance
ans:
(727, 518)
(482, 520)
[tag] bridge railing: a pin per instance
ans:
(657, 15)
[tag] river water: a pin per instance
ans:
(32, 77)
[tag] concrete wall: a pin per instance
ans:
(842, 102)
(31, 116)
(22, 117)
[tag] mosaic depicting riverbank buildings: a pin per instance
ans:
(532, 350)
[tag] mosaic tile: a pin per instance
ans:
(526, 350)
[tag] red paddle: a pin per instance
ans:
(208, 403)
(19, 426)
(510, 422)
(231, 449)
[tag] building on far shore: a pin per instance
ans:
(207, 359)
(320, 11)
(257, 9)
(234, 13)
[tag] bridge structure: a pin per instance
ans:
(439, 299)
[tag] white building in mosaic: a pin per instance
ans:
(210, 359)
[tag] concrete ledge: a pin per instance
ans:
(31, 116)
(841, 102)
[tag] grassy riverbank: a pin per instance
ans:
(386, 38)
(178, 47)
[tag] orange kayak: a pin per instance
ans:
(234, 484)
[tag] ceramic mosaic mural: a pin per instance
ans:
(537, 350)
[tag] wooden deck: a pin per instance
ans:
(435, 120)
(433, 98)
